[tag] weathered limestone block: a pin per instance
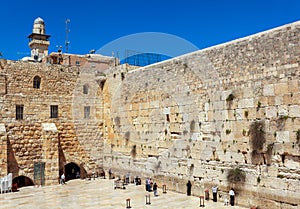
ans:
(283, 110)
(268, 90)
(292, 162)
(239, 114)
(273, 171)
(269, 183)
(281, 88)
(219, 105)
(246, 103)
(278, 100)
(248, 93)
(294, 111)
(271, 112)
(282, 136)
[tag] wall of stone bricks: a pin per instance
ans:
(194, 117)
(25, 142)
(200, 115)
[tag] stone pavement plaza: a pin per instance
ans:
(98, 193)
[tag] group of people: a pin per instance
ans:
(214, 192)
(150, 186)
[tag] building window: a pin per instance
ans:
(87, 112)
(19, 112)
(36, 82)
(85, 89)
(77, 63)
(54, 111)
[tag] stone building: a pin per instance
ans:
(228, 115)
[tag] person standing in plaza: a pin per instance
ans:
(109, 174)
(147, 185)
(155, 189)
(189, 188)
(231, 194)
(215, 192)
(62, 178)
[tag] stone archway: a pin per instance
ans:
(72, 171)
(22, 181)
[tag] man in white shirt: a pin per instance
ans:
(215, 191)
(231, 194)
(62, 179)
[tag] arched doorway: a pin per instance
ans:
(72, 171)
(22, 181)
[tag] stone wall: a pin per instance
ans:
(200, 115)
(38, 138)
(194, 117)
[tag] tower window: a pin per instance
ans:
(77, 63)
(85, 89)
(36, 82)
(53, 111)
(87, 112)
(19, 112)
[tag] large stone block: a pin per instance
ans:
(294, 111)
(246, 103)
(271, 112)
(282, 136)
(268, 90)
(281, 88)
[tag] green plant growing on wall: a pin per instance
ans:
(258, 179)
(244, 132)
(236, 175)
(246, 114)
(258, 105)
(228, 131)
(230, 98)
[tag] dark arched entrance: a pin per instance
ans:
(72, 171)
(22, 181)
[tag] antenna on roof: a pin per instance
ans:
(67, 35)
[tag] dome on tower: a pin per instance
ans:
(39, 21)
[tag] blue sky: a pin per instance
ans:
(95, 23)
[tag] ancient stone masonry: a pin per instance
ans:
(39, 138)
(200, 115)
(228, 115)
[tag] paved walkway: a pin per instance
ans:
(99, 193)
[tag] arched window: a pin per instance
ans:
(85, 88)
(36, 82)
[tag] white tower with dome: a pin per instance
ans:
(38, 40)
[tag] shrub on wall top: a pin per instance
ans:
(236, 175)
